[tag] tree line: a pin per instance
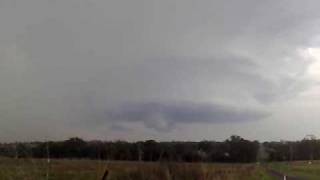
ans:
(234, 149)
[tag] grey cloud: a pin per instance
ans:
(164, 116)
(64, 63)
(231, 77)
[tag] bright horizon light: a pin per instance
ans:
(314, 68)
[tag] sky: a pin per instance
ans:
(164, 70)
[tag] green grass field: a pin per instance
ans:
(300, 169)
(31, 169)
(34, 169)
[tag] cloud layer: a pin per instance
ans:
(167, 116)
(86, 67)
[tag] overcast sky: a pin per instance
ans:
(164, 70)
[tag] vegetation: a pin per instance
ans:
(31, 169)
(235, 158)
(306, 149)
(302, 169)
(234, 149)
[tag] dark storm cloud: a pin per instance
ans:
(226, 76)
(164, 116)
(63, 64)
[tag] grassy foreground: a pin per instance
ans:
(300, 169)
(31, 169)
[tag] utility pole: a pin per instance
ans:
(48, 160)
(311, 140)
(291, 151)
(140, 153)
(48, 152)
(16, 153)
